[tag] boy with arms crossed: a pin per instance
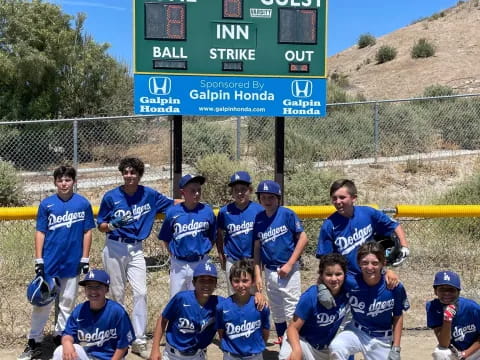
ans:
(279, 242)
(455, 320)
(189, 233)
(62, 246)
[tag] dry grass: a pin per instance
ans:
(455, 63)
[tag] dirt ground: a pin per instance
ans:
(416, 344)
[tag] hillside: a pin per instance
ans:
(454, 32)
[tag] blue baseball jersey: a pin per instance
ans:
(344, 235)
(190, 325)
(375, 306)
(277, 235)
(238, 229)
(320, 324)
(465, 324)
(101, 332)
(144, 205)
(64, 224)
(242, 326)
(188, 232)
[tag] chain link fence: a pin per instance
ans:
(355, 133)
(352, 133)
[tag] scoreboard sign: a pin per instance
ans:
(214, 49)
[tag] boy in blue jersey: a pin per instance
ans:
(188, 320)
(313, 326)
(62, 245)
(351, 226)
(377, 311)
(455, 320)
(235, 224)
(127, 214)
(188, 232)
(279, 241)
(242, 328)
(98, 328)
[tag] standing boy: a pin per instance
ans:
(235, 224)
(242, 328)
(98, 328)
(279, 242)
(188, 320)
(455, 320)
(62, 245)
(126, 215)
(188, 232)
(351, 226)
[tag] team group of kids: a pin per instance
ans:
(356, 306)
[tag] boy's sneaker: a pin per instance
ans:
(140, 349)
(32, 351)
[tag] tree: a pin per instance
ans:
(49, 69)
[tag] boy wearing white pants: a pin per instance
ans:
(279, 242)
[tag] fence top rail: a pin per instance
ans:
(304, 212)
(17, 122)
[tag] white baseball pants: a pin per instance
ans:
(40, 314)
(441, 353)
(181, 274)
(283, 293)
(308, 352)
(170, 353)
(126, 262)
(352, 341)
(228, 356)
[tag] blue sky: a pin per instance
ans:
(110, 21)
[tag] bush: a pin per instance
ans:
(422, 49)
(438, 90)
(10, 185)
(366, 40)
(385, 53)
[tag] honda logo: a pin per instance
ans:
(302, 88)
(158, 85)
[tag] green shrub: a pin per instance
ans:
(206, 138)
(366, 40)
(385, 53)
(10, 185)
(340, 79)
(422, 49)
(438, 90)
(217, 169)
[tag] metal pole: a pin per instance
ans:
(239, 124)
(375, 132)
(75, 149)
(280, 152)
(177, 154)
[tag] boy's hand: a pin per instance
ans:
(83, 266)
(449, 313)
(284, 270)
(394, 353)
(39, 267)
(260, 301)
(325, 297)
(404, 253)
(120, 221)
(392, 279)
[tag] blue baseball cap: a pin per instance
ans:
(269, 187)
(190, 178)
(206, 269)
(96, 275)
(240, 177)
(447, 278)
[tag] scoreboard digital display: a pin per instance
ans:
(285, 38)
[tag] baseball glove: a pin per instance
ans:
(392, 247)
